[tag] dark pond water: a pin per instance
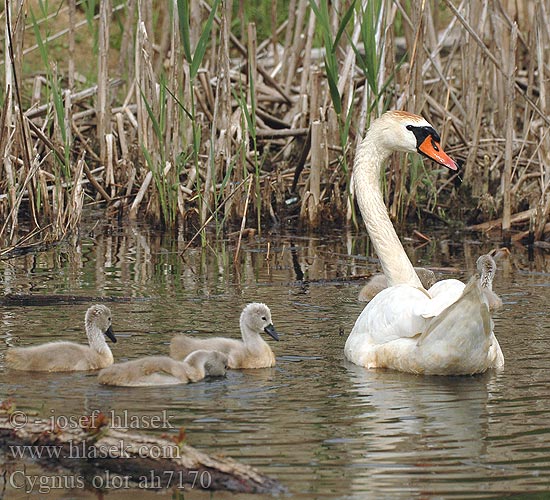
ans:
(321, 426)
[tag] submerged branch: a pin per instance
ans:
(92, 451)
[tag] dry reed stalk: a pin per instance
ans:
(290, 27)
(261, 70)
(123, 143)
(293, 53)
(243, 221)
(71, 37)
(473, 169)
(77, 199)
(95, 183)
(126, 53)
(307, 72)
(173, 142)
(498, 66)
(509, 130)
(143, 124)
(313, 196)
(110, 164)
(140, 195)
(14, 116)
(541, 40)
(103, 102)
(273, 39)
(223, 105)
(315, 93)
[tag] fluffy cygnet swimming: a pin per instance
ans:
(378, 282)
(69, 356)
(250, 352)
(487, 267)
(162, 370)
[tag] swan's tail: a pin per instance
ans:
(459, 338)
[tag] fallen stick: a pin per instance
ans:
(497, 223)
(95, 452)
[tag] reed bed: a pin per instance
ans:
(214, 115)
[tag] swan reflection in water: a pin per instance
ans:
(420, 434)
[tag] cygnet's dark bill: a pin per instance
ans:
(109, 333)
(270, 330)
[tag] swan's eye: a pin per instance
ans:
(264, 318)
(434, 145)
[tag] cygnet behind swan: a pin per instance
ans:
(69, 356)
(487, 267)
(162, 370)
(250, 352)
(379, 282)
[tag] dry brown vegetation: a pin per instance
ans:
(121, 106)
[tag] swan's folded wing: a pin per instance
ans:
(443, 294)
(469, 312)
(392, 315)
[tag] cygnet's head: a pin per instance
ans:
(486, 267)
(500, 253)
(426, 276)
(402, 131)
(257, 317)
(215, 364)
(99, 316)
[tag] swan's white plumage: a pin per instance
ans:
(444, 331)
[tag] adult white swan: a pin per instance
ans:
(446, 330)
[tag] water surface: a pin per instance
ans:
(321, 426)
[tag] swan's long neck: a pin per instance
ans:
(395, 263)
(96, 338)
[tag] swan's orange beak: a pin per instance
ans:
(432, 149)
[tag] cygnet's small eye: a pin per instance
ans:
(264, 318)
(109, 318)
